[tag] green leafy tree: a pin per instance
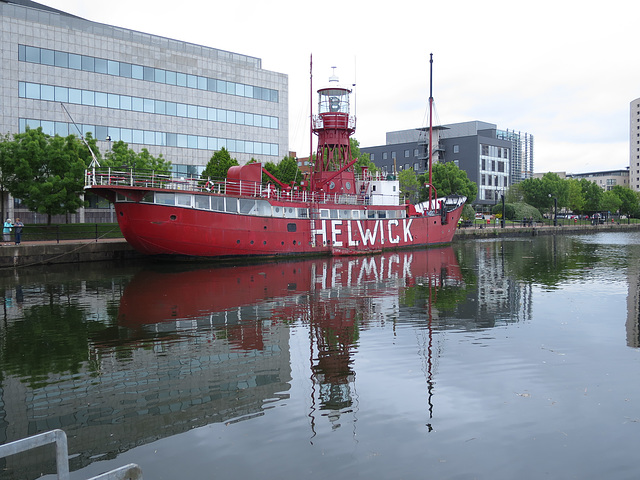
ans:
(629, 200)
(540, 192)
(287, 171)
(576, 201)
(409, 186)
(219, 165)
(448, 179)
(121, 156)
(46, 173)
(364, 159)
(592, 195)
(611, 202)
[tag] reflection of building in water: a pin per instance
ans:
(498, 298)
(195, 374)
(633, 305)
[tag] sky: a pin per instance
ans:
(563, 71)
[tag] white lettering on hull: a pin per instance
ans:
(370, 234)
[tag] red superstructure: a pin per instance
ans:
(339, 212)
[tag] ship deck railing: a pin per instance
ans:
(106, 176)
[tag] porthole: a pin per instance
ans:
(173, 218)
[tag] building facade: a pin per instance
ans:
(605, 179)
(634, 145)
(485, 153)
(178, 99)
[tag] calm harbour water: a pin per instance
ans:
(500, 359)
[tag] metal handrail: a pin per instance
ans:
(128, 472)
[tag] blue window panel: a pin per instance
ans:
(125, 70)
(61, 59)
(221, 115)
(75, 96)
(160, 75)
(75, 61)
(211, 114)
(113, 68)
(181, 79)
(32, 54)
(149, 105)
(202, 143)
(126, 135)
(47, 92)
(88, 63)
(22, 89)
(137, 104)
(47, 57)
(101, 99)
(88, 98)
(181, 110)
(192, 111)
(192, 141)
(202, 83)
(202, 113)
(113, 100)
(148, 74)
(62, 129)
(171, 108)
(137, 72)
(32, 91)
(126, 102)
(149, 137)
(48, 128)
(172, 140)
(160, 107)
(114, 133)
(100, 65)
(170, 78)
(138, 136)
(182, 140)
(192, 81)
(62, 94)
(212, 143)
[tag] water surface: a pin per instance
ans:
(501, 359)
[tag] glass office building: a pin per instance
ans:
(185, 101)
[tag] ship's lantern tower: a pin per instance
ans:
(334, 125)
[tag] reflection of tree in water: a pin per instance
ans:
(50, 339)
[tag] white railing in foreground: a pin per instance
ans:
(59, 438)
(130, 178)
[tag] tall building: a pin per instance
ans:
(174, 98)
(634, 145)
(494, 159)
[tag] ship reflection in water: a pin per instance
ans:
(245, 313)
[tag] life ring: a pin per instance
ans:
(208, 185)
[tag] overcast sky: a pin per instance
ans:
(563, 71)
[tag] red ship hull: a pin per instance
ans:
(155, 229)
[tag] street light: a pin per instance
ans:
(555, 211)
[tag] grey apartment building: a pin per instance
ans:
(493, 158)
(174, 98)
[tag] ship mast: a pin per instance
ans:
(430, 128)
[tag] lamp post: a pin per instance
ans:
(555, 210)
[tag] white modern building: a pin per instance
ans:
(178, 99)
(634, 145)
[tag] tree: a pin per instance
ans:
(448, 179)
(629, 200)
(46, 173)
(364, 159)
(219, 165)
(121, 156)
(592, 195)
(576, 201)
(611, 202)
(287, 171)
(409, 185)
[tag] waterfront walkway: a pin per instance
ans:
(49, 252)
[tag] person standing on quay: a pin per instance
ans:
(6, 231)
(18, 233)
